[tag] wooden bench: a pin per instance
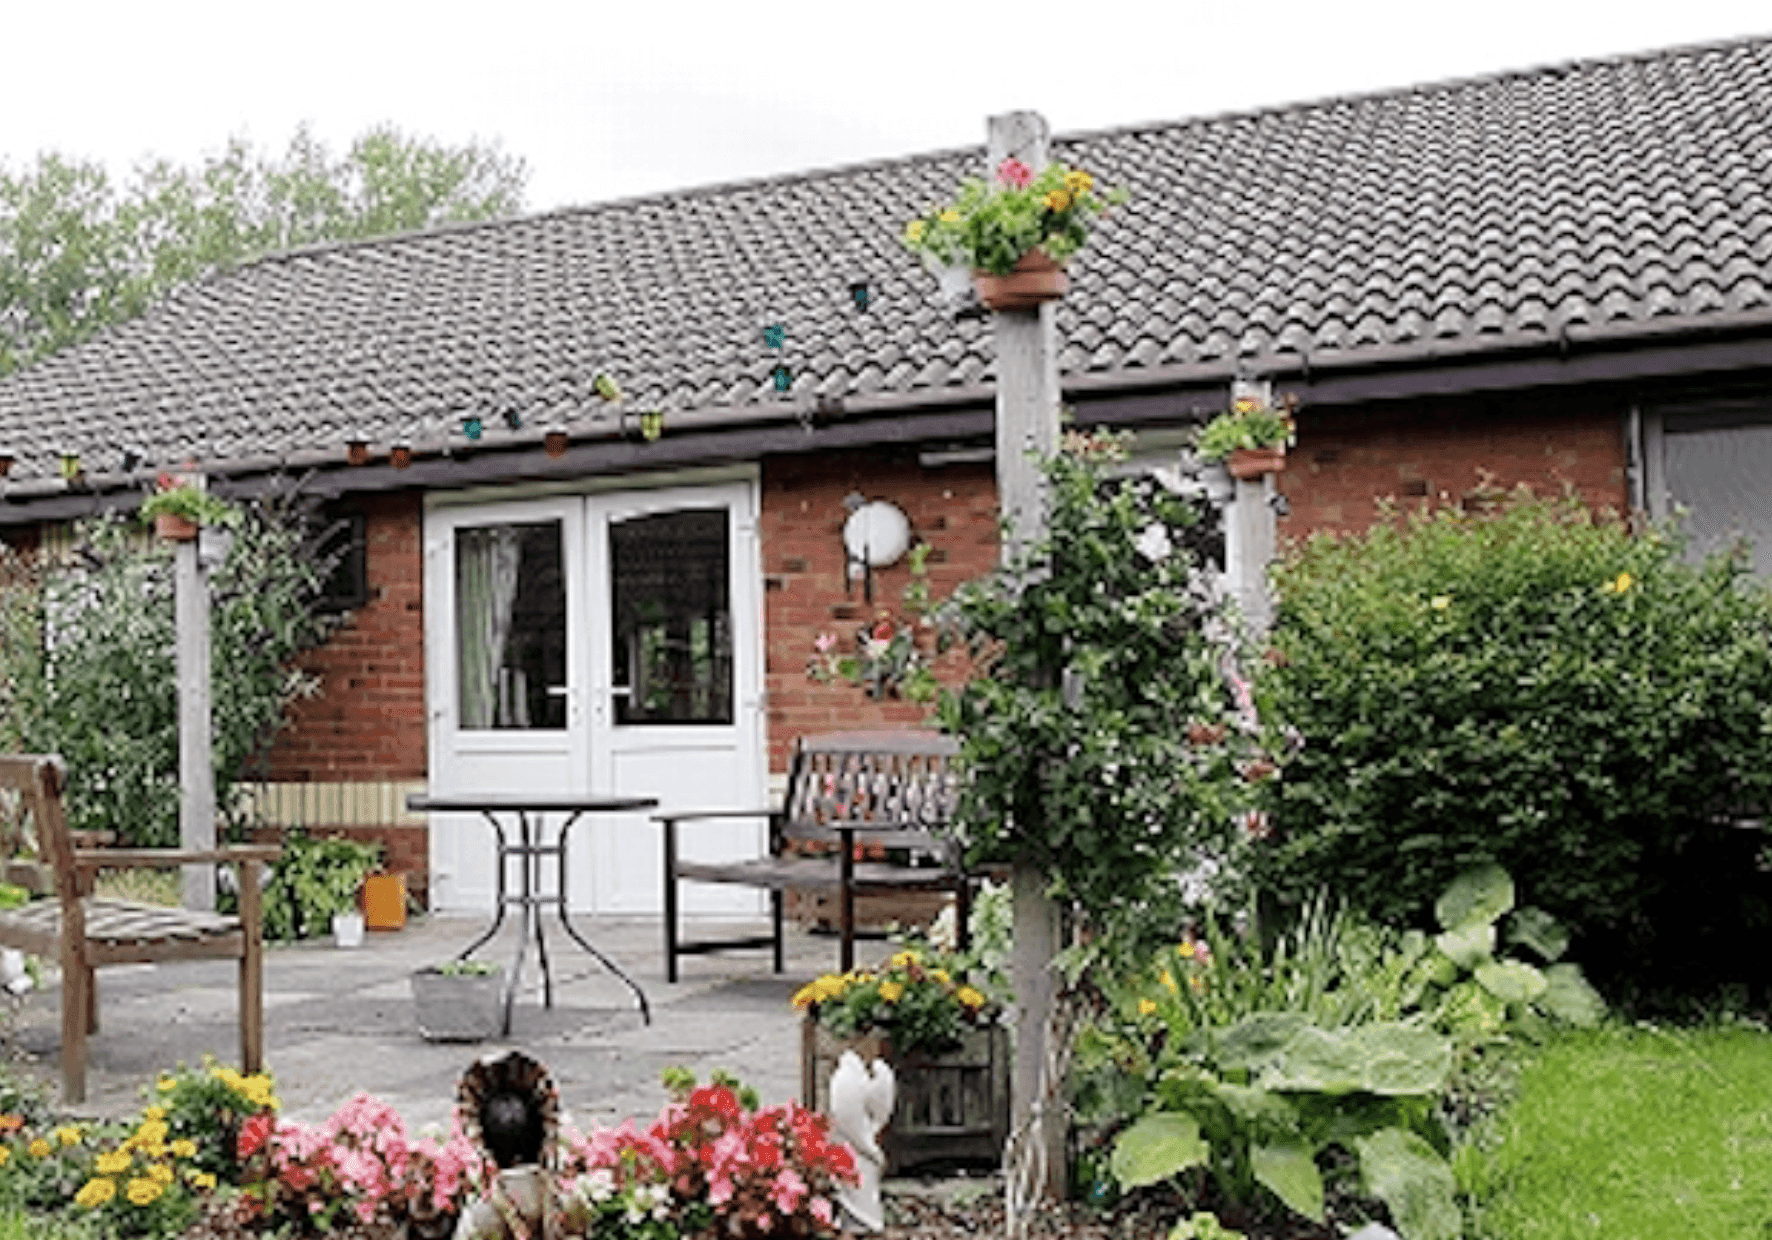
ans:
(85, 932)
(894, 789)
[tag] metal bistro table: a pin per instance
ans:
(530, 847)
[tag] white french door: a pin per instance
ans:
(595, 643)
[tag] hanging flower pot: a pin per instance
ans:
(1034, 279)
(1251, 463)
(357, 452)
(400, 455)
(174, 528)
(555, 443)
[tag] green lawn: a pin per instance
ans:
(1632, 1134)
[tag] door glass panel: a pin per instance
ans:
(1717, 468)
(671, 617)
(510, 614)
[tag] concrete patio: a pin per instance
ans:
(339, 1021)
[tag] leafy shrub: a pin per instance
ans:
(207, 1106)
(314, 879)
(87, 667)
(1535, 687)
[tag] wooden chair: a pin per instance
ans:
(85, 932)
(893, 789)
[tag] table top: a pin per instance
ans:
(556, 802)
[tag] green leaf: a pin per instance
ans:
(1539, 932)
(1156, 1147)
(1410, 1177)
(1568, 997)
(1481, 895)
(1264, 1111)
(1512, 981)
(1289, 1170)
(1469, 945)
(1324, 1060)
(1255, 1039)
(1402, 1059)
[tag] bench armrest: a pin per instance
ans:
(693, 815)
(128, 858)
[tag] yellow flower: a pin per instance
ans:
(940, 975)
(913, 231)
(166, 1084)
(1197, 982)
(1185, 951)
(202, 1180)
(113, 1163)
(94, 1193)
(891, 992)
(68, 1135)
(143, 1191)
(1168, 981)
(903, 960)
(184, 1147)
(970, 997)
(1078, 181)
(806, 996)
(161, 1171)
(39, 1148)
(1441, 602)
(5, 1154)
(1058, 200)
(1146, 1007)
(950, 216)
(151, 1132)
(1623, 582)
(154, 1114)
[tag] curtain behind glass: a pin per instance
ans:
(486, 563)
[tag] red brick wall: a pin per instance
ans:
(953, 508)
(369, 721)
(1345, 461)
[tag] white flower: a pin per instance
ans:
(1153, 544)
(599, 1184)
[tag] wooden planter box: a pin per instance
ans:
(952, 1109)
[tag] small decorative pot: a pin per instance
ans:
(951, 1108)
(1035, 279)
(555, 443)
(174, 528)
(347, 929)
(357, 452)
(458, 1007)
(400, 455)
(1252, 463)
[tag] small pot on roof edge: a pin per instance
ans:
(555, 443)
(1035, 279)
(357, 452)
(1251, 463)
(5, 463)
(400, 455)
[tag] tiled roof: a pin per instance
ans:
(1588, 202)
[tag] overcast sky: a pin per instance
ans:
(607, 100)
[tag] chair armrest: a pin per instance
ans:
(128, 858)
(92, 839)
(692, 815)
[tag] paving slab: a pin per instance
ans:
(340, 1021)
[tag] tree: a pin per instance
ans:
(79, 252)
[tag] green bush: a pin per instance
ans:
(1538, 688)
(311, 881)
(86, 661)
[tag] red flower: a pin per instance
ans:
(254, 1133)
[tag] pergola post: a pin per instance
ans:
(196, 770)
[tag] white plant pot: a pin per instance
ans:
(347, 929)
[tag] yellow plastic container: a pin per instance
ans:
(384, 902)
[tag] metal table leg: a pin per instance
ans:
(640, 995)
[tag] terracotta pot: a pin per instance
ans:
(357, 452)
(555, 443)
(400, 456)
(174, 528)
(1035, 279)
(1251, 463)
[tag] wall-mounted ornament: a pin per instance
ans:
(132, 460)
(69, 466)
(357, 451)
(859, 296)
(876, 534)
(513, 419)
(555, 443)
(5, 463)
(651, 424)
(782, 377)
(400, 454)
(472, 426)
(775, 335)
(605, 386)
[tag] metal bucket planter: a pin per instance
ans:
(458, 1006)
(952, 1109)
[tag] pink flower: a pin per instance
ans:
(824, 643)
(787, 1190)
(1014, 173)
(821, 1210)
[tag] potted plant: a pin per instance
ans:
(178, 507)
(1015, 232)
(458, 1001)
(945, 1042)
(1252, 437)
